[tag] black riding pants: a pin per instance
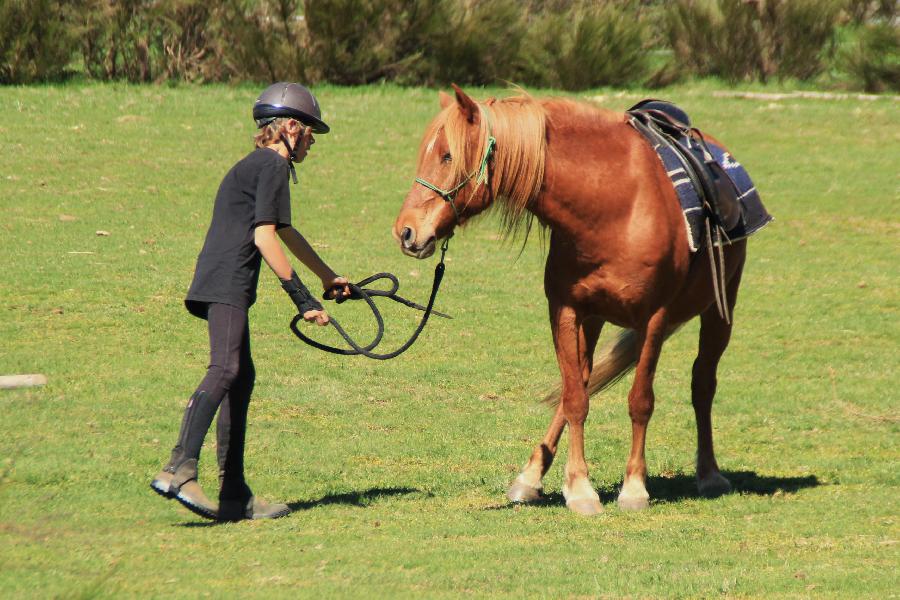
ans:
(227, 387)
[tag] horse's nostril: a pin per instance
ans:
(407, 237)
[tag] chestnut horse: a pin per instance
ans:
(618, 253)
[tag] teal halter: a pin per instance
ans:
(481, 174)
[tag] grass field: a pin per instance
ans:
(397, 470)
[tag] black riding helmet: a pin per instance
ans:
(292, 100)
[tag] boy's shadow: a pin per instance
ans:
(362, 499)
(684, 487)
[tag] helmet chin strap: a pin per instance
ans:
(292, 156)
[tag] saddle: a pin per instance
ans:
(664, 124)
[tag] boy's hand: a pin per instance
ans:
(320, 317)
(337, 288)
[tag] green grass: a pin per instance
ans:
(398, 470)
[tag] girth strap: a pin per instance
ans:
(654, 126)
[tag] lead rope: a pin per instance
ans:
(359, 292)
(482, 176)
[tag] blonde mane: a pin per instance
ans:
(517, 170)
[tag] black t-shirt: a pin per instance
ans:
(254, 191)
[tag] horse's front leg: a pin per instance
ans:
(634, 494)
(528, 486)
(573, 356)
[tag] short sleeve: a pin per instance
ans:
(273, 196)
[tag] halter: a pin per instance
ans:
(480, 174)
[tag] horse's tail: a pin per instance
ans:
(611, 363)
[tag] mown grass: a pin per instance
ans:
(397, 470)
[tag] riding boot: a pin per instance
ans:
(179, 481)
(236, 499)
(251, 508)
(237, 502)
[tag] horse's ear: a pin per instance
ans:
(466, 104)
(445, 99)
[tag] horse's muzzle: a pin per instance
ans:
(419, 252)
(409, 245)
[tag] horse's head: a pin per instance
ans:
(453, 177)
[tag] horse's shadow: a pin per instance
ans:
(358, 498)
(683, 487)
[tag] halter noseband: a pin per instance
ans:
(481, 174)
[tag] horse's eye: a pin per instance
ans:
(446, 158)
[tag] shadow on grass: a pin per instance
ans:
(361, 499)
(684, 487)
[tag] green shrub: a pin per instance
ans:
(150, 40)
(799, 36)
(738, 40)
(262, 40)
(185, 38)
(361, 41)
(864, 11)
(874, 60)
(480, 42)
(35, 43)
(115, 39)
(582, 46)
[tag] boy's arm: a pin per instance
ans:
(300, 248)
(265, 239)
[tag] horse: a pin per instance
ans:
(618, 253)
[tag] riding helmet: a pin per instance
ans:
(292, 100)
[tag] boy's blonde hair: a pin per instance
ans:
(271, 133)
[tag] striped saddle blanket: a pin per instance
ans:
(709, 181)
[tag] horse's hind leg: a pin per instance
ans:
(528, 486)
(634, 494)
(715, 334)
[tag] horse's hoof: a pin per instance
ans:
(523, 493)
(585, 506)
(632, 503)
(713, 486)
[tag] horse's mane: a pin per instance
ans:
(518, 124)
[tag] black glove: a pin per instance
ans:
(299, 294)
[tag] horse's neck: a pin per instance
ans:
(586, 165)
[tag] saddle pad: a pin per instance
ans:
(753, 214)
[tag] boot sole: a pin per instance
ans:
(229, 514)
(276, 515)
(183, 500)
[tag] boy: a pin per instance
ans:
(252, 210)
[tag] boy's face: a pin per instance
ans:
(302, 140)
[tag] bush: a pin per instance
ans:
(799, 36)
(361, 41)
(35, 43)
(262, 40)
(115, 39)
(186, 43)
(874, 60)
(864, 11)
(150, 40)
(480, 42)
(740, 39)
(582, 46)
